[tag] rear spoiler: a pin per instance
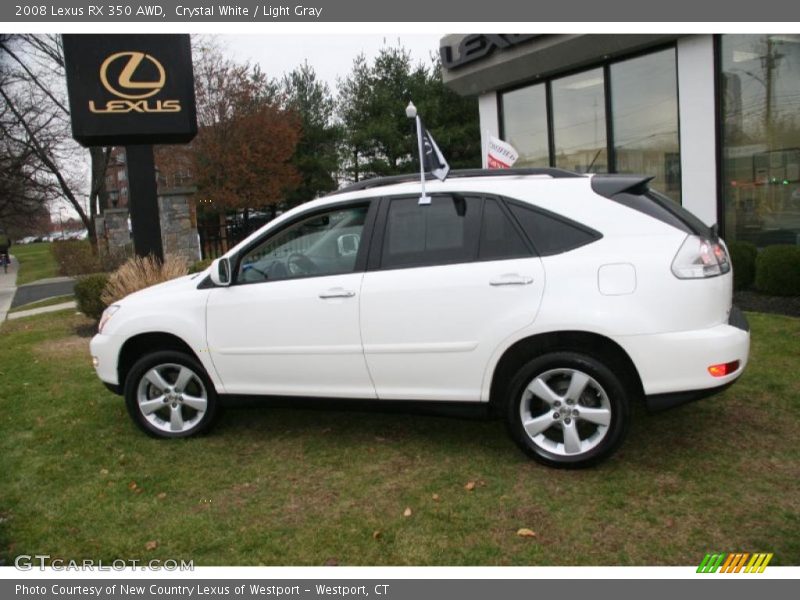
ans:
(613, 184)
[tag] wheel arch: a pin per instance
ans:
(598, 346)
(144, 343)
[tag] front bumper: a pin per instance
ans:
(673, 367)
(105, 352)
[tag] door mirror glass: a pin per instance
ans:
(348, 244)
(221, 272)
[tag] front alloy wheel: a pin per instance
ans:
(168, 395)
(567, 410)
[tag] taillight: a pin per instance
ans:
(700, 257)
(723, 369)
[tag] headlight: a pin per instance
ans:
(107, 314)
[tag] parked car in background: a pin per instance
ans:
(556, 299)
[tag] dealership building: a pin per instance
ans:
(714, 118)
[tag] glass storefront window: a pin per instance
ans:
(643, 100)
(644, 114)
(760, 95)
(579, 122)
(525, 125)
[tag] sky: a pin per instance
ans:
(331, 55)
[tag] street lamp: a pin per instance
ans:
(411, 111)
(61, 220)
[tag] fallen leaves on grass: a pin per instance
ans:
(407, 512)
(470, 486)
(376, 535)
(525, 532)
(435, 497)
(151, 545)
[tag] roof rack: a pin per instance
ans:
(458, 173)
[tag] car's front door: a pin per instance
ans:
(289, 324)
(448, 283)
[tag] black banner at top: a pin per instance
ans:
(187, 11)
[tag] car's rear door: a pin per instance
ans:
(447, 283)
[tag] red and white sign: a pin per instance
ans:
(500, 154)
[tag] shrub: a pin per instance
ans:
(200, 265)
(75, 257)
(778, 270)
(743, 257)
(138, 273)
(88, 292)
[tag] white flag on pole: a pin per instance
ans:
(500, 154)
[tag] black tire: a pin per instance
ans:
(169, 365)
(604, 396)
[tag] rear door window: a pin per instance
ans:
(500, 238)
(444, 232)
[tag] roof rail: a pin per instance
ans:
(458, 173)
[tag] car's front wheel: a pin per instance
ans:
(168, 395)
(567, 409)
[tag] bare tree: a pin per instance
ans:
(36, 122)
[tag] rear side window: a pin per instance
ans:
(549, 233)
(444, 232)
(499, 237)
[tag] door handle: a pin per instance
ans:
(336, 293)
(511, 280)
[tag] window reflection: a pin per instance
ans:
(525, 125)
(644, 101)
(579, 122)
(761, 137)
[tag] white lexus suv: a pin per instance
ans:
(554, 299)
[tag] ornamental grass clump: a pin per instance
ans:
(138, 273)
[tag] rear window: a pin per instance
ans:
(664, 209)
(549, 233)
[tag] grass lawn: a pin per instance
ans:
(43, 303)
(302, 487)
(36, 261)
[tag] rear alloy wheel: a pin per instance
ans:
(169, 395)
(567, 410)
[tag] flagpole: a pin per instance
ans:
(424, 198)
(411, 113)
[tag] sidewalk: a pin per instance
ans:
(41, 310)
(8, 287)
(43, 289)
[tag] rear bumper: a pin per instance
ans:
(673, 367)
(659, 402)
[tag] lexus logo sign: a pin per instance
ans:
(141, 76)
(126, 80)
(130, 89)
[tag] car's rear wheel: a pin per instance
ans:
(567, 409)
(169, 395)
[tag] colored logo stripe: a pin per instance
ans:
(735, 562)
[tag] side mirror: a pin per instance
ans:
(221, 272)
(348, 244)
